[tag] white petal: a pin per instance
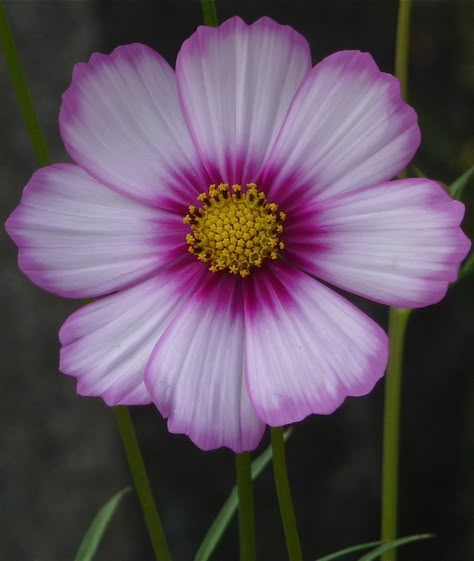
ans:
(121, 120)
(196, 374)
(107, 344)
(398, 243)
(348, 127)
(236, 84)
(79, 239)
(307, 348)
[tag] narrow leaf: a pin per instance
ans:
(467, 269)
(20, 86)
(417, 171)
(377, 552)
(209, 13)
(347, 550)
(222, 520)
(459, 186)
(96, 530)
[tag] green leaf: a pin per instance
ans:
(458, 187)
(218, 527)
(377, 552)
(417, 171)
(209, 13)
(20, 86)
(467, 270)
(348, 550)
(96, 530)
(382, 548)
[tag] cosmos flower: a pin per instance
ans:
(203, 207)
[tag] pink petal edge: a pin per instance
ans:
(307, 348)
(196, 371)
(79, 239)
(348, 127)
(106, 345)
(236, 83)
(398, 243)
(121, 120)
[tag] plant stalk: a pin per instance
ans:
(246, 507)
(398, 319)
(285, 501)
(40, 148)
(209, 13)
(142, 484)
(22, 92)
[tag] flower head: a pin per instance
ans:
(204, 204)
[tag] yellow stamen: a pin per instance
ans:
(234, 230)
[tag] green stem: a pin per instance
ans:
(209, 14)
(246, 507)
(22, 91)
(127, 432)
(402, 44)
(142, 484)
(284, 496)
(398, 318)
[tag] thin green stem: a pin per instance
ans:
(142, 484)
(403, 43)
(246, 507)
(398, 318)
(127, 431)
(284, 496)
(209, 13)
(21, 89)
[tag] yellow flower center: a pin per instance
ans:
(234, 229)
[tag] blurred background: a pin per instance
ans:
(60, 455)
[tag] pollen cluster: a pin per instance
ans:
(234, 229)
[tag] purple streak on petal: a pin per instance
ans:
(347, 128)
(259, 301)
(79, 239)
(309, 349)
(398, 243)
(196, 374)
(236, 83)
(121, 120)
(107, 344)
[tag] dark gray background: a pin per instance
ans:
(60, 456)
